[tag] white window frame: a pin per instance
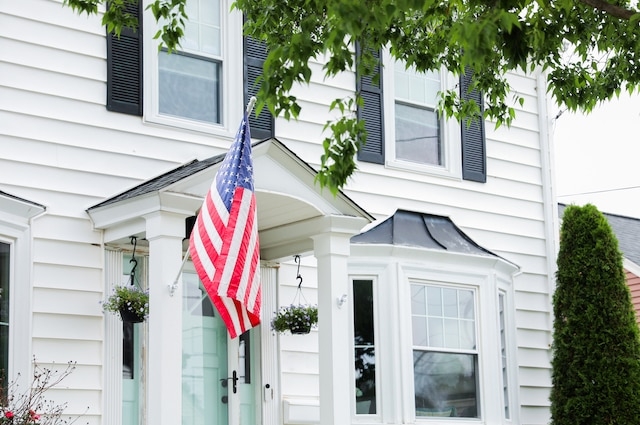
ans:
(231, 87)
(16, 217)
(450, 129)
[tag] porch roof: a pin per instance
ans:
(288, 199)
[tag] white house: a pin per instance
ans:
(433, 269)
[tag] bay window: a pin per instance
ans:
(433, 334)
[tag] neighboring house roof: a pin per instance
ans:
(627, 231)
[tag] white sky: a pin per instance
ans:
(597, 157)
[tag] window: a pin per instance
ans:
(364, 347)
(16, 284)
(503, 355)
(5, 275)
(200, 87)
(404, 131)
(189, 83)
(417, 125)
(445, 357)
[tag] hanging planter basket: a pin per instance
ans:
(129, 316)
(299, 317)
(300, 328)
(129, 301)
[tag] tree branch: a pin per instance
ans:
(611, 9)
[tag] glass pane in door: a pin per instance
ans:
(205, 395)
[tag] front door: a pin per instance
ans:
(218, 373)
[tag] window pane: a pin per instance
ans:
(5, 262)
(452, 334)
(364, 354)
(189, 87)
(450, 302)
(503, 357)
(445, 384)
(414, 87)
(417, 134)
(465, 302)
(417, 124)
(202, 29)
(419, 328)
(418, 299)
(467, 335)
(434, 300)
(436, 332)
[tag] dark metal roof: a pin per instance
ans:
(627, 231)
(163, 180)
(409, 228)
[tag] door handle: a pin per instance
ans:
(234, 379)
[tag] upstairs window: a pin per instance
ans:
(404, 130)
(190, 80)
(418, 135)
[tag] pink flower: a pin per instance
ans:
(34, 415)
(8, 414)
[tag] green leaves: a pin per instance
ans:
(589, 48)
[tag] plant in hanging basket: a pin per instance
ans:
(297, 319)
(130, 302)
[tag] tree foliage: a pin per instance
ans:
(596, 344)
(589, 48)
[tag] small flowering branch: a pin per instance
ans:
(29, 407)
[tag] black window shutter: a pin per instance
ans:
(124, 67)
(372, 113)
(474, 158)
(255, 53)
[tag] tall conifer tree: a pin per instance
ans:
(596, 348)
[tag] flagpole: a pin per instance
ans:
(174, 285)
(252, 103)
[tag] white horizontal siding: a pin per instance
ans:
(63, 149)
(67, 326)
(57, 301)
(66, 228)
(87, 353)
(67, 277)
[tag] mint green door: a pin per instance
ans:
(210, 361)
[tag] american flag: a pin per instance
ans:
(224, 242)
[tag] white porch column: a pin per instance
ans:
(331, 249)
(164, 391)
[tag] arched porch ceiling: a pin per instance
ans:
(290, 203)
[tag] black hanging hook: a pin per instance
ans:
(299, 277)
(134, 242)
